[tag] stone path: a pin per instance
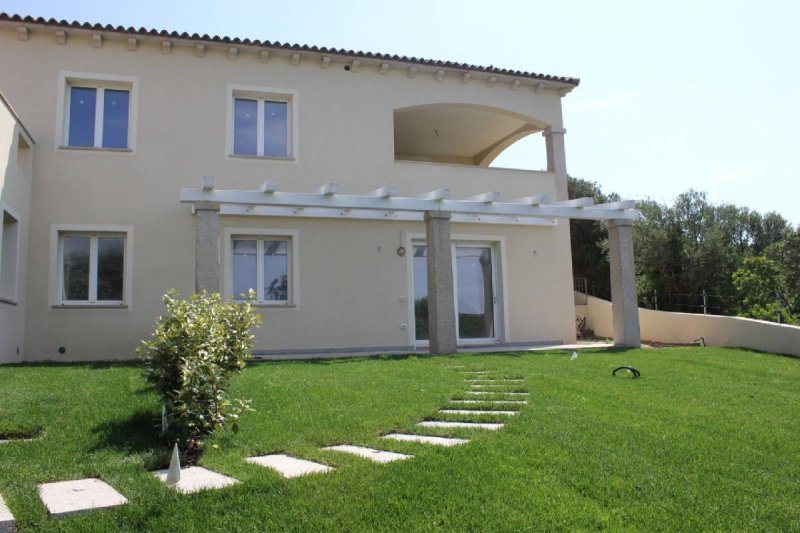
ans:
(468, 425)
(6, 518)
(476, 412)
(288, 466)
(377, 456)
(426, 439)
(66, 497)
(197, 478)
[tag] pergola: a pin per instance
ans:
(438, 210)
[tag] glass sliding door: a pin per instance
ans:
(475, 298)
(474, 286)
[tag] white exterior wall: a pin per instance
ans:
(15, 190)
(350, 294)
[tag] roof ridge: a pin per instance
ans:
(5, 17)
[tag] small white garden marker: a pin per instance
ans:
(574, 356)
(174, 472)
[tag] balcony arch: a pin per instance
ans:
(462, 134)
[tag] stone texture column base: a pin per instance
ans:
(206, 272)
(441, 305)
(624, 301)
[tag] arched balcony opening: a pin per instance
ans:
(467, 134)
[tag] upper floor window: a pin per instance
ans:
(262, 122)
(98, 112)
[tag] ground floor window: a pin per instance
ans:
(263, 265)
(474, 284)
(92, 268)
(9, 256)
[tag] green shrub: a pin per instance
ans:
(194, 352)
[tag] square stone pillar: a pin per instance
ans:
(441, 304)
(557, 159)
(624, 302)
(206, 269)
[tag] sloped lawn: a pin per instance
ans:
(707, 439)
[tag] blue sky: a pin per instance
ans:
(674, 95)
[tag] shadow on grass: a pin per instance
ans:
(137, 433)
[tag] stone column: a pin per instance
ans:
(206, 270)
(441, 306)
(557, 158)
(624, 302)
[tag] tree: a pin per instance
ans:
(762, 286)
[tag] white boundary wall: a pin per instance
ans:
(667, 327)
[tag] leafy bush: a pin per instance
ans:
(193, 354)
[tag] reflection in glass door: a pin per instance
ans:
(474, 292)
(474, 286)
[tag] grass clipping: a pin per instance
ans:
(194, 352)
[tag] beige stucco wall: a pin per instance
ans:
(349, 293)
(666, 327)
(15, 188)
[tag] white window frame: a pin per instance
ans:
(262, 94)
(10, 294)
(101, 82)
(261, 235)
(57, 232)
(497, 243)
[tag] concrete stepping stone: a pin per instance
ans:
(377, 456)
(6, 518)
(472, 425)
(476, 412)
(425, 439)
(474, 371)
(197, 478)
(66, 497)
(289, 467)
(503, 402)
(494, 380)
(491, 386)
(490, 392)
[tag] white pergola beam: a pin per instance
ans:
(434, 201)
(384, 192)
(577, 202)
(437, 195)
(372, 214)
(329, 189)
(269, 186)
(622, 204)
(487, 197)
(536, 199)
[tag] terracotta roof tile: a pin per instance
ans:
(4, 17)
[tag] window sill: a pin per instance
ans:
(89, 306)
(260, 157)
(265, 305)
(8, 301)
(95, 149)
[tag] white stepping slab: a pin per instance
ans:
(377, 456)
(65, 497)
(288, 466)
(514, 402)
(484, 393)
(425, 439)
(494, 380)
(476, 412)
(474, 371)
(473, 425)
(492, 386)
(6, 518)
(197, 478)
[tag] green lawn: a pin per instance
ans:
(707, 439)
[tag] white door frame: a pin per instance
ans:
(497, 244)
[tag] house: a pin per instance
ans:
(351, 190)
